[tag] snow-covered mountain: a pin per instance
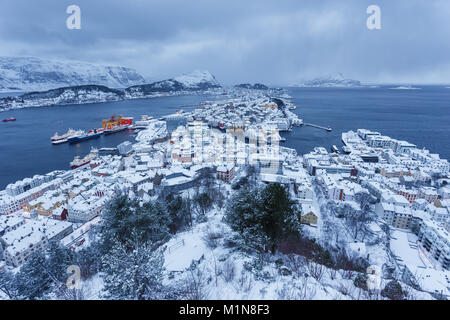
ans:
(194, 81)
(35, 74)
(337, 81)
(197, 81)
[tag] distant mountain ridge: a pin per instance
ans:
(194, 81)
(35, 74)
(197, 81)
(338, 81)
(256, 86)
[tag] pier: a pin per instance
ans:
(317, 126)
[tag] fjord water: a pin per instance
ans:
(418, 116)
(25, 148)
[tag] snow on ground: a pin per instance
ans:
(92, 287)
(215, 265)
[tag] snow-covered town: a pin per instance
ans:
(374, 217)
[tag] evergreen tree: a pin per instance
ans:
(115, 217)
(132, 275)
(124, 217)
(178, 212)
(59, 258)
(7, 284)
(263, 218)
(204, 203)
(279, 220)
(393, 290)
(32, 281)
(154, 224)
(89, 260)
(244, 217)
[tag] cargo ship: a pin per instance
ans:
(9, 120)
(118, 124)
(84, 136)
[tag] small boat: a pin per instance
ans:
(334, 149)
(329, 129)
(9, 120)
(78, 162)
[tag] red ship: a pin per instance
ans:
(9, 120)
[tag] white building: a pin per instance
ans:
(31, 236)
(436, 240)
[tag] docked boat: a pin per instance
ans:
(84, 136)
(114, 129)
(78, 162)
(118, 124)
(334, 149)
(9, 120)
(59, 139)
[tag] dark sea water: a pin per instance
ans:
(25, 147)
(418, 116)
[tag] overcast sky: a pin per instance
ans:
(275, 42)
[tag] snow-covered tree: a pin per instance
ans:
(177, 208)
(32, 281)
(393, 290)
(204, 203)
(124, 217)
(7, 284)
(263, 218)
(134, 274)
(59, 258)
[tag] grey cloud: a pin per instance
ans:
(276, 42)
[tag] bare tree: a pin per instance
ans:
(316, 270)
(195, 286)
(228, 270)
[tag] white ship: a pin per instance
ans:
(57, 139)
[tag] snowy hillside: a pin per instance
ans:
(338, 81)
(62, 96)
(194, 81)
(197, 81)
(32, 74)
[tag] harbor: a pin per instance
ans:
(29, 135)
(109, 126)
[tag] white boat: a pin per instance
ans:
(334, 149)
(57, 139)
